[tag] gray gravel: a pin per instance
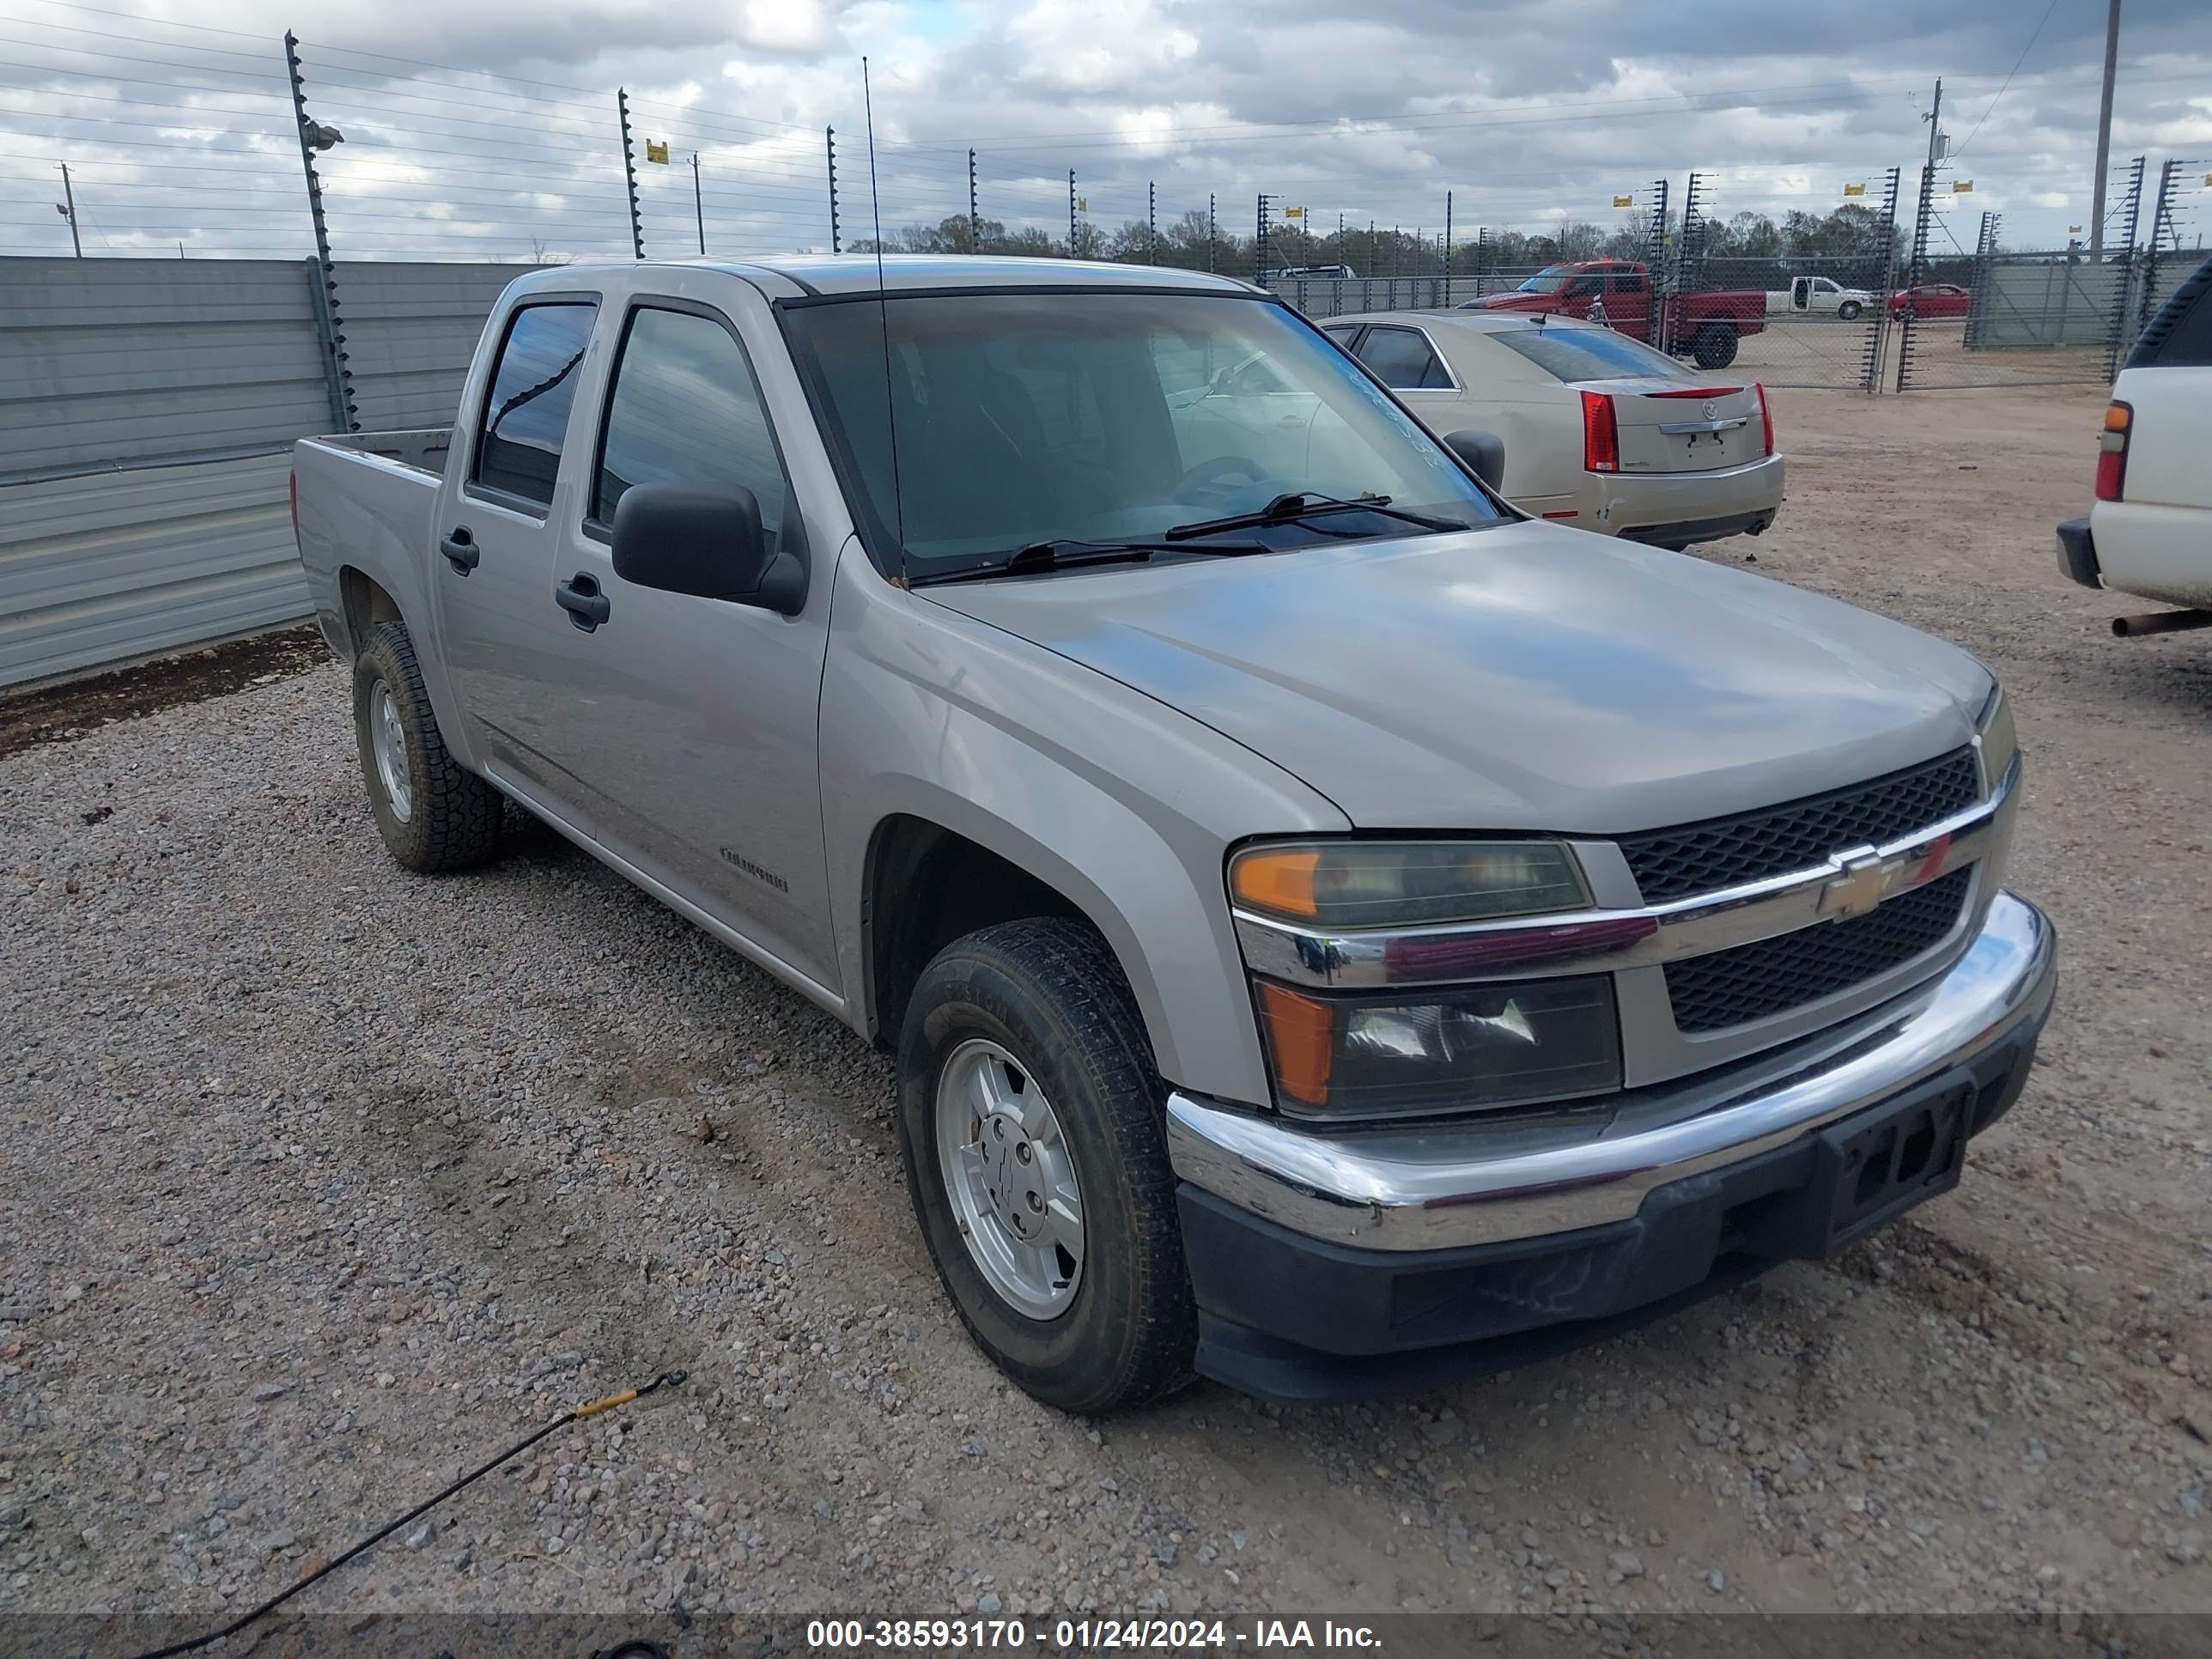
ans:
(324, 1182)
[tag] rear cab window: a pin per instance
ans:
(1588, 354)
(524, 419)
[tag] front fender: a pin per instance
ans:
(1124, 806)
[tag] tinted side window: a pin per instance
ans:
(533, 387)
(1629, 282)
(2182, 338)
(686, 410)
(1401, 359)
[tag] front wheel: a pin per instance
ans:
(1715, 346)
(1029, 1118)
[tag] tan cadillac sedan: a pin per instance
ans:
(1600, 431)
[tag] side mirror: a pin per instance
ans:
(705, 540)
(1485, 452)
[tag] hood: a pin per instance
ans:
(1513, 299)
(1526, 676)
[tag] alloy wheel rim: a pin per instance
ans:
(1010, 1179)
(388, 742)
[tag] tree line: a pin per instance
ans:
(1854, 244)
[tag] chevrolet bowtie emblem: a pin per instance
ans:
(1863, 884)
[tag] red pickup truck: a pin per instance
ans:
(1704, 326)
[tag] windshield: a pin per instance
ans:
(1588, 353)
(1548, 281)
(1024, 418)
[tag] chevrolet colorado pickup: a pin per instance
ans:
(1334, 930)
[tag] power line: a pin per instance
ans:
(2035, 35)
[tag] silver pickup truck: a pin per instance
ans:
(1335, 932)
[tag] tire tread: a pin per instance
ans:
(457, 817)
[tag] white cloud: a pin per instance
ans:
(1527, 113)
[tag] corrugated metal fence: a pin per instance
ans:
(147, 413)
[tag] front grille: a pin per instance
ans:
(1727, 988)
(1799, 835)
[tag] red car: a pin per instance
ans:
(1932, 300)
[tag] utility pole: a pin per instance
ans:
(2104, 132)
(698, 204)
(69, 212)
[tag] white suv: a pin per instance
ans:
(2150, 531)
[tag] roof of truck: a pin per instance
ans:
(858, 273)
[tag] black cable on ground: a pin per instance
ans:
(589, 1408)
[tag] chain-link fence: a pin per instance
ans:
(1994, 316)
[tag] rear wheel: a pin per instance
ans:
(1849, 310)
(434, 813)
(1029, 1116)
(1715, 346)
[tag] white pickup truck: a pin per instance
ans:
(1333, 929)
(1818, 297)
(2149, 533)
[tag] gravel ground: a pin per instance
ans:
(325, 1182)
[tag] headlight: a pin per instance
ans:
(1481, 1046)
(1338, 884)
(1998, 741)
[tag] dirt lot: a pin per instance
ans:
(324, 1183)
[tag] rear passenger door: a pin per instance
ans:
(684, 730)
(491, 575)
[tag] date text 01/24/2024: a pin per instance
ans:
(1088, 1635)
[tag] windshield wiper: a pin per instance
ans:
(1066, 554)
(1284, 509)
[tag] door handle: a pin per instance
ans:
(580, 597)
(460, 549)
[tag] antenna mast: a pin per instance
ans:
(884, 313)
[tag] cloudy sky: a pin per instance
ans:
(490, 129)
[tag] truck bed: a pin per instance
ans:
(366, 501)
(423, 449)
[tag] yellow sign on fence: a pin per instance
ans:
(1962, 187)
(1855, 190)
(656, 149)
(1624, 201)
(1294, 213)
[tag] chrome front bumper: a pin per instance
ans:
(1421, 1188)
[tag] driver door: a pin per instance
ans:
(684, 729)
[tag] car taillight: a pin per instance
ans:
(1601, 436)
(1766, 416)
(294, 481)
(2111, 450)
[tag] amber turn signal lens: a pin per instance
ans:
(2117, 416)
(1300, 1040)
(1279, 882)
